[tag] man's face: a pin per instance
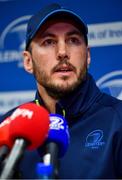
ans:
(59, 58)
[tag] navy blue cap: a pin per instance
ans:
(52, 10)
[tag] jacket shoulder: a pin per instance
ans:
(112, 102)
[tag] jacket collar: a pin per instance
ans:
(82, 98)
(78, 101)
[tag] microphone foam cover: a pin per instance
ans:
(4, 134)
(30, 122)
(59, 133)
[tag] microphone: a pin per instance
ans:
(4, 142)
(27, 127)
(54, 148)
(4, 150)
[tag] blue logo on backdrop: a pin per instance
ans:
(94, 139)
(12, 41)
(111, 83)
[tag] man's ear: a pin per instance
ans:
(88, 57)
(27, 62)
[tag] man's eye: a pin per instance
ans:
(48, 42)
(74, 40)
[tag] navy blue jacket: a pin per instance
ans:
(95, 127)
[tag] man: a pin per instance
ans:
(58, 55)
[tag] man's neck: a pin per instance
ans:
(49, 102)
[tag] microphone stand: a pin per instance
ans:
(13, 158)
(51, 158)
(48, 169)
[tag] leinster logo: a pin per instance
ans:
(94, 139)
(12, 41)
(111, 83)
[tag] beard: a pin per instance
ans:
(57, 91)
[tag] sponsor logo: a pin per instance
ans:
(21, 112)
(18, 112)
(57, 123)
(12, 41)
(94, 139)
(105, 34)
(111, 83)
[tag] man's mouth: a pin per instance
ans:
(64, 69)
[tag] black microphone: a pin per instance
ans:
(4, 150)
(26, 129)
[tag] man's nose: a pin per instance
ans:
(62, 51)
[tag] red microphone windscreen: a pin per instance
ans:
(4, 134)
(30, 122)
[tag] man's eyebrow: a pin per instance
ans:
(47, 34)
(74, 32)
